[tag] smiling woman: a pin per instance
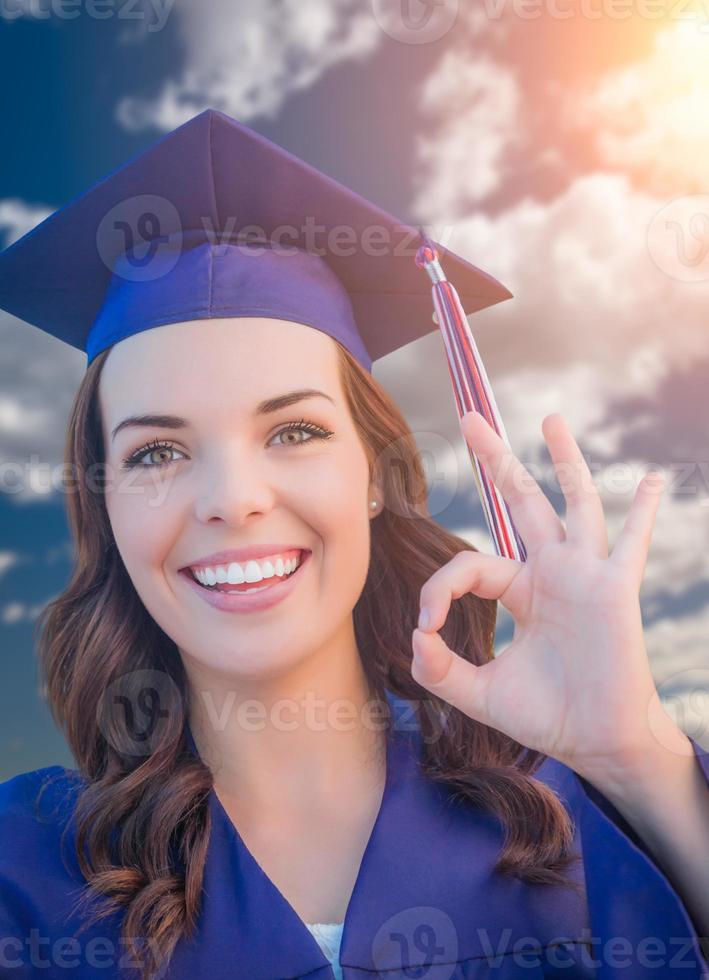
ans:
(231, 481)
(266, 785)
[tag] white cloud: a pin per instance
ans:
(649, 118)
(39, 375)
(586, 289)
(17, 217)
(246, 60)
(8, 559)
(585, 285)
(20, 612)
(470, 107)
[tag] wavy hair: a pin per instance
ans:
(143, 823)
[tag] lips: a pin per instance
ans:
(243, 555)
(234, 601)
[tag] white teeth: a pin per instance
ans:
(255, 572)
(252, 571)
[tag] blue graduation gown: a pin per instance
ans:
(426, 903)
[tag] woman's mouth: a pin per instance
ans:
(247, 596)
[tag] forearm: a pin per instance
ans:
(665, 798)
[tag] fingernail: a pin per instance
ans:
(424, 618)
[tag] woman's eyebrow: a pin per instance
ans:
(176, 422)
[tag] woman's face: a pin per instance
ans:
(233, 477)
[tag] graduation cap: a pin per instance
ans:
(215, 220)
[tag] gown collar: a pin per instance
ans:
(426, 869)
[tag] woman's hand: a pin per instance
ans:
(575, 682)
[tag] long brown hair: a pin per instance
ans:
(143, 822)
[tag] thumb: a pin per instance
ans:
(449, 677)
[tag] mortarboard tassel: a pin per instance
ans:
(472, 393)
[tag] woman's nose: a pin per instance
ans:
(232, 489)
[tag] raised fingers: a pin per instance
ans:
(533, 515)
(631, 549)
(585, 520)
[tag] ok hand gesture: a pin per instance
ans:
(575, 682)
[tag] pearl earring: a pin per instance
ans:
(373, 504)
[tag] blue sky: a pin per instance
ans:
(559, 153)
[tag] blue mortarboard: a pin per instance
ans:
(214, 220)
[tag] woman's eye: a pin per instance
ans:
(313, 431)
(136, 458)
(164, 448)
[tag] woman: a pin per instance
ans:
(279, 773)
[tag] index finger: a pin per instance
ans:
(533, 515)
(486, 576)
